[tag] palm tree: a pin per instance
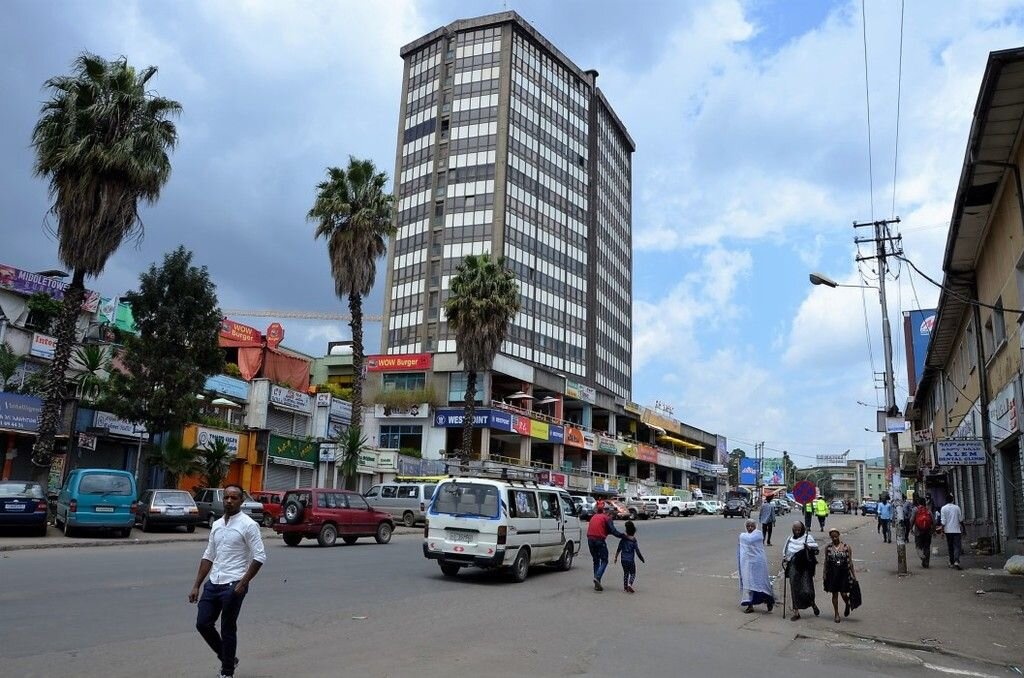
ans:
(94, 363)
(102, 141)
(177, 460)
(352, 213)
(215, 459)
(9, 362)
(484, 298)
(350, 444)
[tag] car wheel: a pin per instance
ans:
(57, 522)
(293, 511)
(268, 521)
(675, 513)
(383, 535)
(68, 530)
(190, 528)
(408, 519)
(521, 566)
(328, 535)
(350, 540)
(145, 523)
(565, 562)
(291, 539)
(42, 531)
(449, 569)
(632, 514)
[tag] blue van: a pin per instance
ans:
(97, 498)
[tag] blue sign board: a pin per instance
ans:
(748, 471)
(20, 412)
(229, 386)
(556, 434)
(452, 417)
(917, 328)
(501, 421)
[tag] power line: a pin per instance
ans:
(867, 98)
(955, 294)
(899, 93)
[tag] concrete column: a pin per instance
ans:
(590, 461)
(613, 466)
(485, 443)
(633, 470)
(558, 456)
(612, 424)
(525, 444)
(588, 415)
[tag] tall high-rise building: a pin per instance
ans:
(505, 146)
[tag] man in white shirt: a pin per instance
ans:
(952, 525)
(233, 557)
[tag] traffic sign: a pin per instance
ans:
(804, 491)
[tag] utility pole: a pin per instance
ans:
(886, 246)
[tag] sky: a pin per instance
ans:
(752, 163)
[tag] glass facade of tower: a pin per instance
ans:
(492, 103)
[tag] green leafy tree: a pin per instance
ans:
(9, 362)
(353, 213)
(93, 363)
(735, 458)
(350, 445)
(176, 349)
(102, 142)
(177, 460)
(790, 469)
(215, 459)
(484, 298)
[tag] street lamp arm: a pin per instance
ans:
(819, 279)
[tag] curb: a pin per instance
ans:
(906, 645)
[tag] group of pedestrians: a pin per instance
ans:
(599, 529)
(816, 507)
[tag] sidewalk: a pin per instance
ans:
(975, 613)
(55, 539)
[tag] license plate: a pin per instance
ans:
(175, 512)
(104, 509)
(14, 507)
(461, 537)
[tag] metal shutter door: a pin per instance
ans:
(280, 422)
(305, 477)
(280, 477)
(1017, 478)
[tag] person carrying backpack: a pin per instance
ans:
(923, 526)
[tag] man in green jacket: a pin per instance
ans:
(821, 510)
(808, 514)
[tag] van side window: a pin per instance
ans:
(408, 492)
(522, 503)
(373, 491)
(389, 491)
(568, 507)
(549, 506)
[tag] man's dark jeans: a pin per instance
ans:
(886, 529)
(953, 544)
(599, 552)
(220, 600)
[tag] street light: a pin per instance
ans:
(819, 279)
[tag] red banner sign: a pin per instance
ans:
(574, 437)
(521, 425)
(647, 453)
(399, 363)
(229, 329)
(275, 335)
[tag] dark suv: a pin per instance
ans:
(325, 514)
(736, 507)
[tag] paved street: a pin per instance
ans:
(385, 611)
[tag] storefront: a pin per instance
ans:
(19, 421)
(375, 466)
(245, 469)
(291, 463)
(103, 440)
(1004, 424)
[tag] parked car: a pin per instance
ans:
(737, 508)
(585, 507)
(639, 509)
(23, 504)
(166, 508)
(869, 508)
(271, 500)
(661, 503)
(325, 514)
(837, 506)
(210, 501)
(706, 507)
(782, 507)
(404, 501)
(467, 526)
(689, 507)
(97, 498)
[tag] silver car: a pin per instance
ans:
(407, 502)
(210, 502)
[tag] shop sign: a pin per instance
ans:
(367, 462)
(633, 408)
(323, 399)
(573, 436)
(295, 400)
(538, 429)
(964, 452)
(387, 462)
(86, 441)
(580, 392)
(229, 386)
(1003, 414)
(233, 331)
(578, 482)
(589, 441)
(606, 444)
(452, 417)
(647, 453)
(501, 421)
(652, 418)
(56, 477)
(552, 478)
(116, 426)
(28, 283)
(328, 452)
(207, 437)
(411, 362)
(292, 451)
(20, 412)
(601, 485)
(418, 411)
(341, 409)
(626, 450)
(556, 434)
(43, 346)
(923, 438)
(521, 425)
(275, 335)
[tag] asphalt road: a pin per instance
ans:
(373, 610)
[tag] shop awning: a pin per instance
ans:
(679, 441)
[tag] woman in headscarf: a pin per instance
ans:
(798, 561)
(838, 572)
(755, 585)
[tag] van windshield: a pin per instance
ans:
(466, 500)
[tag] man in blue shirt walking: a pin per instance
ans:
(885, 518)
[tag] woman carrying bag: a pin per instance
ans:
(839, 577)
(799, 560)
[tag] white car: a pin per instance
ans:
(493, 523)
(708, 507)
(664, 509)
